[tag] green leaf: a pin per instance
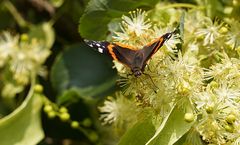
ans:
(23, 125)
(43, 32)
(172, 128)
(93, 24)
(139, 134)
(181, 25)
(84, 70)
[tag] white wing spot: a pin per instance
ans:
(100, 50)
(98, 44)
(90, 45)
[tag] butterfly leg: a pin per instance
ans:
(155, 86)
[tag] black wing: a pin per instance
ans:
(100, 46)
(154, 46)
(122, 53)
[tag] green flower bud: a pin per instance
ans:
(24, 37)
(38, 88)
(51, 114)
(231, 118)
(87, 122)
(47, 108)
(74, 124)
(209, 109)
(93, 136)
(189, 117)
(229, 128)
(223, 29)
(63, 110)
(64, 116)
(214, 84)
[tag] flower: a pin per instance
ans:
(210, 33)
(137, 22)
(118, 110)
(20, 58)
(109, 111)
(135, 29)
(233, 36)
(28, 58)
(228, 69)
(8, 43)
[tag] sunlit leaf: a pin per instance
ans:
(172, 128)
(23, 125)
(138, 134)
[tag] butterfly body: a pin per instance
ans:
(135, 59)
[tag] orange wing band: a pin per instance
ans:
(159, 44)
(110, 49)
(125, 46)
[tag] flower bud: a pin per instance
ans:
(47, 108)
(87, 122)
(74, 124)
(64, 116)
(38, 88)
(63, 110)
(231, 118)
(229, 128)
(209, 109)
(51, 114)
(189, 117)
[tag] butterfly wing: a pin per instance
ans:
(100, 46)
(154, 46)
(122, 53)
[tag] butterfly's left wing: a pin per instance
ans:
(100, 46)
(119, 52)
(154, 46)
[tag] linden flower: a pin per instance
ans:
(228, 69)
(185, 73)
(210, 33)
(228, 95)
(137, 22)
(237, 141)
(109, 110)
(233, 36)
(7, 46)
(215, 104)
(27, 58)
(134, 29)
(21, 66)
(116, 110)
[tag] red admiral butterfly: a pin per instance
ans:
(135, 59)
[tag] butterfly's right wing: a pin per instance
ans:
(119, 52)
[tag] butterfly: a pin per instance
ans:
(135, 59)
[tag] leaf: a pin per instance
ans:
(43, 32)
(139, 134)
(23, 125)
(84, 70)
(93, 24)
(181, 25)
(172, 128)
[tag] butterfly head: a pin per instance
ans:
(137, 72)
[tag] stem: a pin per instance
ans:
(20, 20)
(181, 5)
